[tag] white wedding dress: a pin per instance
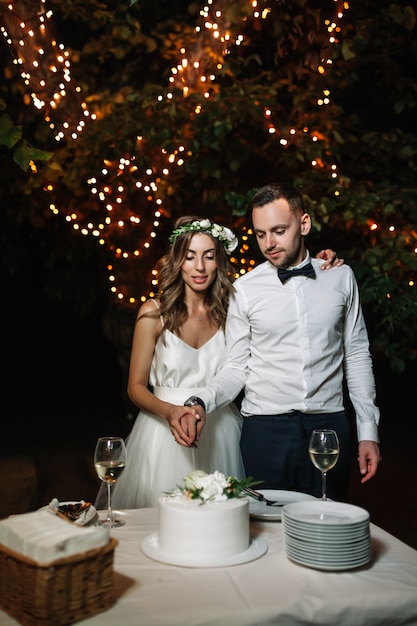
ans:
(155, 461)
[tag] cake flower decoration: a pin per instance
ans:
(222, 233)
(199, 485)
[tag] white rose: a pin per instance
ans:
(195, 480)
(214, 486)
(213, 492)
(204, 224)
(220, 478)
(232, 241)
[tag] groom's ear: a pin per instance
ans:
(305, 224)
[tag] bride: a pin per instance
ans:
(178, 346)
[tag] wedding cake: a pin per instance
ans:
(206, 518)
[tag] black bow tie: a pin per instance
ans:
(306, 270)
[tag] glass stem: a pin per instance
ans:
(323, 486)
(109, 511)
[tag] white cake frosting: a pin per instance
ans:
(213, 529)
(212, 526)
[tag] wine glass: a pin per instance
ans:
(109, 463)
(324, 453)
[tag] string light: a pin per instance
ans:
(128, 234)
(287, 137)
(45, 68)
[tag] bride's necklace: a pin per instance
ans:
(196, 316)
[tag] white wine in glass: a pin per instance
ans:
(109, 463)
(324, 453)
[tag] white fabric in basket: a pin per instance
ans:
(45, 538)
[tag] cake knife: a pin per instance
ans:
(261, 498)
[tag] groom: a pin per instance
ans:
(295, 335)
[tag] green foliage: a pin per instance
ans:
(9, 134)
(23, 152)
(123, 53)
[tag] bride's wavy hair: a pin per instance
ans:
(171, 285)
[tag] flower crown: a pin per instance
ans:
(222, 233)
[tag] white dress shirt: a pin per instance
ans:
(290, 345)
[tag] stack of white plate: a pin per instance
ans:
(326, 535)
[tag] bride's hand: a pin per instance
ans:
(191, 424)
(330, 259)
(183, 424)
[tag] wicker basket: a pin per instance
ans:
(60, 593)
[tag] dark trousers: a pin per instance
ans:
(275, 452)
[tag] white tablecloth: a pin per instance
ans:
(268, 591)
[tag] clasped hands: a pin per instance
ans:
(186, 424)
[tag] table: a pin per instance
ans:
(268, 591)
